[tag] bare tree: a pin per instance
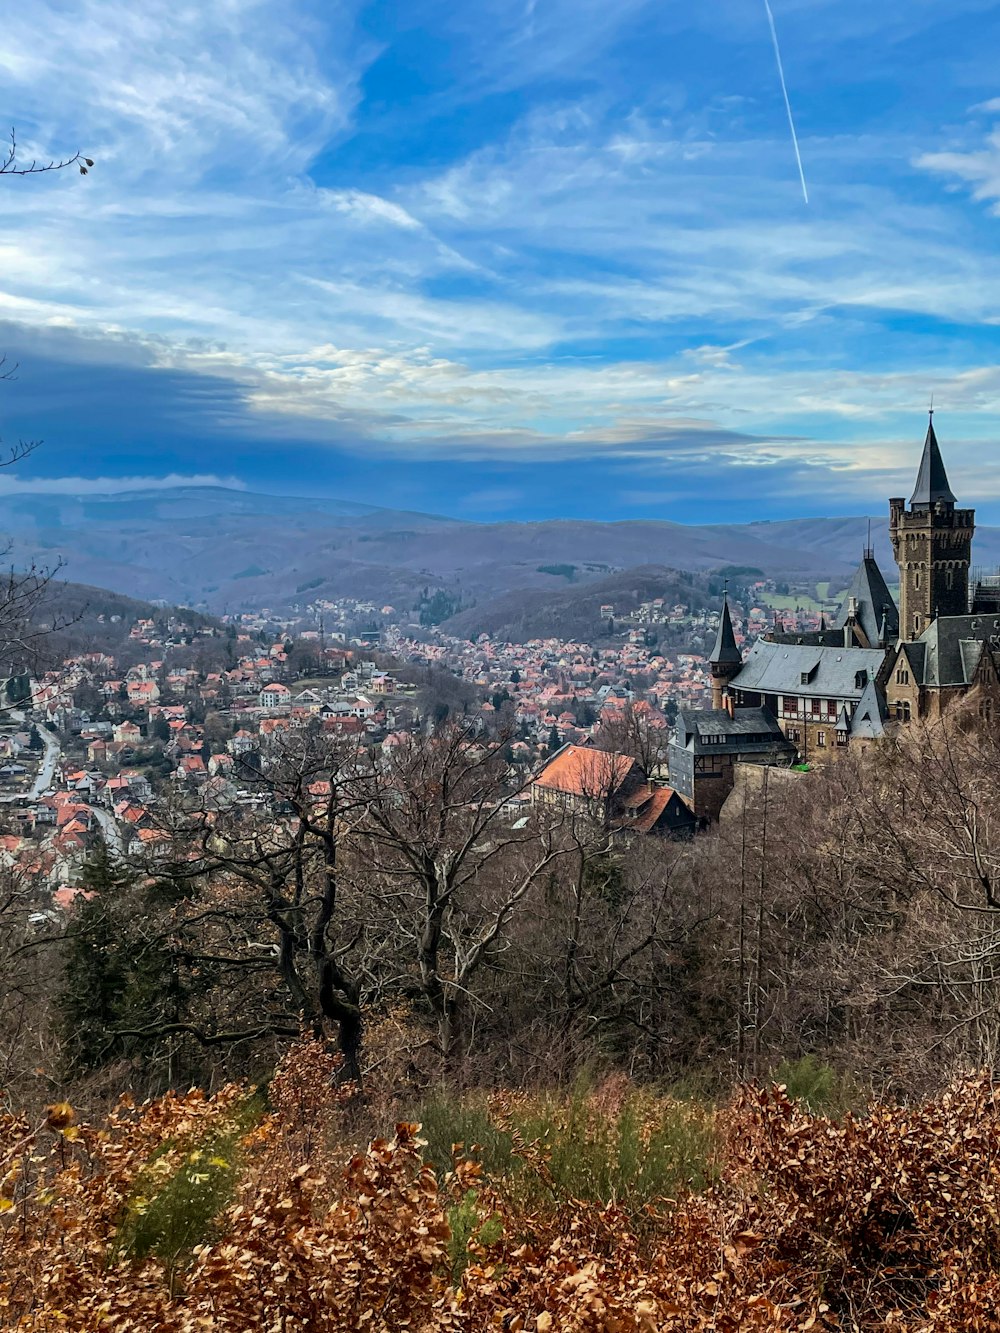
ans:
(264, 896)
(454, 861)
(11, 166)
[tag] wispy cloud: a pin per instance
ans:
(510, 231)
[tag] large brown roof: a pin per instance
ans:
(581, 771)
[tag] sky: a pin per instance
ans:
(505, 258)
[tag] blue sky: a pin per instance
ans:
(510, 258)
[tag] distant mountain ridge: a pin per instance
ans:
(231, 550)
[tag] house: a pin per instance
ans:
(274, 695)
(143, 692)
(588, 781)
(654, 811)
(706, 745)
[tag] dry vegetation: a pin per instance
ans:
(612, 1210)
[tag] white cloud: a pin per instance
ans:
(369, 208)
(977, 168)
(588, 282)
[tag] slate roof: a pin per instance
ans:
(915, 655)
(952, 647)
(778, 668)
(750, 730)
(932, 480)
(725, 651)
(873, 603)
(868, 722)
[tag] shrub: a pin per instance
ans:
(175, 1202)
(817, 1086)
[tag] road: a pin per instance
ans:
(46, 771)
(109, 827)
(43, 780)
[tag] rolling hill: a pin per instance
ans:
(229, 550)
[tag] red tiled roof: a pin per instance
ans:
(658, 802)
(581, 771)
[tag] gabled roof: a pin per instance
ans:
(657, 801)
(581, 771)
(932, 480)
(868, 722)
(872, 602)
(950, 657)
(726, 651)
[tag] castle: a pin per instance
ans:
(801, 698)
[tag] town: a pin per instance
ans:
(91, 746)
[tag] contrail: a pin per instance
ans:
(788, 105)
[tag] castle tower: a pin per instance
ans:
(725, 661)
(932, 543)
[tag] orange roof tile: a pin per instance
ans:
(580, 771)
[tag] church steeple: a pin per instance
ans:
(726, 661)
(932, 480)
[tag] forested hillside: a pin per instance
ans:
(574, 612)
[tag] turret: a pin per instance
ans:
(932, 543)
(726, 661)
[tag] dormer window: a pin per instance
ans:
(860, 679)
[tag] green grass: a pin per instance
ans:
(797, 601)
(818, 1086)
(445, 1121)
(646, 1150)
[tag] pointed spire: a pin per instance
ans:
(726, 650)
(932, 480)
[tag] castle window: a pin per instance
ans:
(860, 679)
(916, 624)
(948, 578)
(916, 580)
(902, 710)
(821, 739)
(793, 735)
(842, 737)
(902, 677)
